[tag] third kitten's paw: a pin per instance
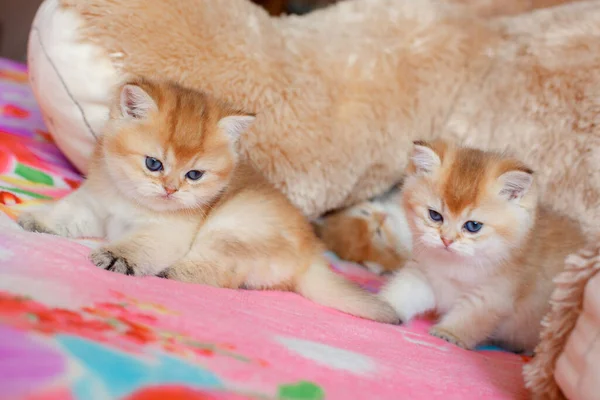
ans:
(374, 267)
(165, 274)
(30, 223)
(448, 336)
(109, 261)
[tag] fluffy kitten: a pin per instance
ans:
(484, 253)
(374, 233)
(167, 189)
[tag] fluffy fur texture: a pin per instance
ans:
(567, 302)
(341, 93)
(373, 233)
(495, 8)
(484, 253)
(166, 188)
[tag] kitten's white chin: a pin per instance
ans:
(445, 252)
(165, 204)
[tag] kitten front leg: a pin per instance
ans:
(76, 215)
(148, 250)
(409, 292)
(474, 318)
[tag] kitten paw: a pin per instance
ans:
(163, 274)
(374, 267)
(107, 260)
(448, 336)
(31, 224)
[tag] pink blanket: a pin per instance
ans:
(70, 330)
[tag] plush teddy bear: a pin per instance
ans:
(342, 92)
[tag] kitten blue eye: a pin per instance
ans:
(153, 164)
(436, 216)
(194, 175)
(473, 226)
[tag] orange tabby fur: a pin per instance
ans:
(365, 234)
(492, 284)
(227, 228)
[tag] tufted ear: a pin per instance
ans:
(135, 102)
(235, 125)
(424, 158)
(515, 184)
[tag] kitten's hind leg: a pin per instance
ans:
(202, 271)
(75, 215)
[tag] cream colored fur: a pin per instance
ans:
(491, 284)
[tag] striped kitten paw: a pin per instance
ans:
(30, 223)
(448, 336)
(108, 260)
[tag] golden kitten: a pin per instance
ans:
(373, 233)
(484, 252)
(166, 188)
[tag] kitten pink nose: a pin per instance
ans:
(170, 190)
(447, 242)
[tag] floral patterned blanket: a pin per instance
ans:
(71, 331)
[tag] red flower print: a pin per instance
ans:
(228, 346)
(118, 324)
(11, 305)
(262, 363)
(44, 135)
(9, 199)
(171, 393)
(140, 334)
(15, 112)
(204, 352)
(121, 312)
(73, 184)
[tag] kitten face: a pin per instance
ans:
(465, 205)
(170, 148)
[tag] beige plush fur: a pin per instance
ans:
(341, 93)
(168, 190)
(566, 302)
(496, 8)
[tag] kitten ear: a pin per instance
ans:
(235, 125)
(424, 158)
(135, 102)
(515, 184)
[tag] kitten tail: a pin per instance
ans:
(323, 286)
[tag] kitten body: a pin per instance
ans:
(166, 188)
(484, 253)
(374, 233)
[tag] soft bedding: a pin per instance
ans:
(71, 331)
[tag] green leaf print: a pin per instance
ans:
(302, 390)
(33, 175)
